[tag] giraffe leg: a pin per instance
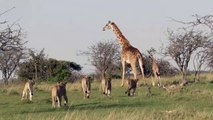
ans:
(141, 67)
(123, 75)
(155, 78)
(156, 75)
(159, 81)
(153, 81)
(158, 78)
(134, 70)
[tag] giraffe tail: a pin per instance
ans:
(140, 60)
(139, 55)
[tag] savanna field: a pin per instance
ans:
(193, 102)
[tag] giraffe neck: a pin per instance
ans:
(122, 40)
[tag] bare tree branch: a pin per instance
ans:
(7, 11)
(199, 20)
(3, 22)
(104, 56)
(182, 44)
(11, 47)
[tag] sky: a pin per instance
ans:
(65, 27)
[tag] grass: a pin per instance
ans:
(194, 102)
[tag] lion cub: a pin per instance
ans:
(28, 90)
(131, 85)
(58, 91)
(106, 86)
(85, 82)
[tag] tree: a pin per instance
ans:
(11, 38)
(74, 66)
(11, 47)
(26, 70)
(104, 56)
(201, 23)
(211, 58)
(182, 45)
(33, 67)
(165, 67)
(47, 69)
(9, 62)
(38, 60)
(61, 70)
(201, 57)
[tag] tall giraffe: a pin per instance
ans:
(155, 68)
(129, 54)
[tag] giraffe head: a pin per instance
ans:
(121, 39)
(108, 26)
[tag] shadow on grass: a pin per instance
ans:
(39, 110)
(80, 107)
(99, 105)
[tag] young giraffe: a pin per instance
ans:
(155, 67)
(129, 53)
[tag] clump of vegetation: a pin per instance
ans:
(41, 68)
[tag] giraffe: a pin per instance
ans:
(155, 68)
(129, 54)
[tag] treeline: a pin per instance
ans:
(46, 69)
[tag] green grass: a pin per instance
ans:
(194, 102)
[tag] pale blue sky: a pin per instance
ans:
(63, 27)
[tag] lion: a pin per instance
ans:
(106, 86)
(59, 91)
(131, 85)
(85, 82)
(28, 90)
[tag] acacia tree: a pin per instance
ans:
(61, 70)
(10, 35)
(104, 56)
(211, 58)
(9, 62)
(199, 21)
(206, 21)
(40, 67)
(38, 60)
(202, 23)
(182, 45)
(198, 61)
(11, 47)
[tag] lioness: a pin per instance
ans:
(106, 86)
(28, 90)
(131, 85)
(58, 91)
(85, 82)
